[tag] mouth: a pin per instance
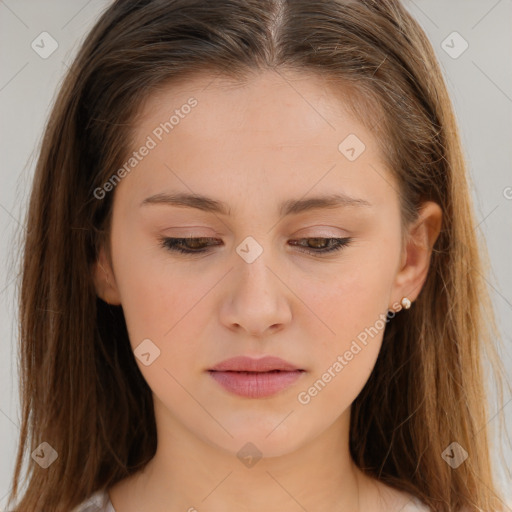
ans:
(255, 378)
(249, 364)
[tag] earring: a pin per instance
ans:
(406, 303)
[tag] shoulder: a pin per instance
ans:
(395, 499)
(409, 503)
(415, 505)
(97, 502)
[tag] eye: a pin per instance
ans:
(192, 245)
(317, 246)
(324, 245)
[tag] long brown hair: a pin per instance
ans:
(81, 389)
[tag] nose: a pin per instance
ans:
(258, 300)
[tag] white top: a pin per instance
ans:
(100, 502)
(97, 502)
(415, 505)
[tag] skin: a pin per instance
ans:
(254, 145)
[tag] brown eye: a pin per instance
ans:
(188, 245)
(316, 246)
(318, 243)
(323, 245)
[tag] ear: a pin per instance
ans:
(104, 280)
(415, 258)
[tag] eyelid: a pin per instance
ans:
(334, 245)
(320, 230)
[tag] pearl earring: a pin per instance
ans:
(406, 303)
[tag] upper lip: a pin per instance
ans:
(248, 364)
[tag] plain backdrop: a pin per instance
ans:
(479, 78)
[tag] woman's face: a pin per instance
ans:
(269, 155)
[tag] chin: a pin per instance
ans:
(258, 438)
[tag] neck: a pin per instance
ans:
(190, 474)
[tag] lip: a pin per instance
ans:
(255, 378)
(249, 364)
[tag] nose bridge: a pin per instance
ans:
(257, 299)
(254, 262)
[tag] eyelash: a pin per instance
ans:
(172, 244)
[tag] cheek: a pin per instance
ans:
(157, 296)
(352, 299)
(348, 315)
(161, 307)
(347, 344)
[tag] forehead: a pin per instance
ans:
(300, 105)
(270, 131)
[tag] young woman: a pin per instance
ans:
(251, 279)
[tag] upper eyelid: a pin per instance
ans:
(321, 230)
(207, 239)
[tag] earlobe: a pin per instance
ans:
(104, 281)
(417, 254)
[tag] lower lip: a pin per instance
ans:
(255, 384)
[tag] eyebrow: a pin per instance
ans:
(289, 207)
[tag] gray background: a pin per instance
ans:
(480, 84)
